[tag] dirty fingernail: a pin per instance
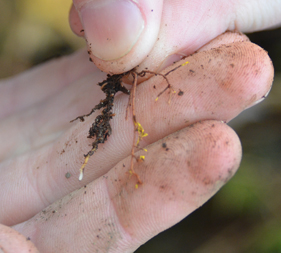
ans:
(112, 27)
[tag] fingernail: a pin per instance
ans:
(112, 27)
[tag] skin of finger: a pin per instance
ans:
(39, 83)
(12, 241)
(180, 173)
(226, 38)
(151, 12)
(221, 89)
(187, 25)
(211, 19)
(74, 21)
(44, 123)
(256, 15)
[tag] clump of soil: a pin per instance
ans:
(101, 129)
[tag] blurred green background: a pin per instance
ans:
(245, 216)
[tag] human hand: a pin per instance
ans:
(154, 34)
(39, 147)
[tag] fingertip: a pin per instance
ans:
(249, 67)
(181, 172)
(225, 152)
(257, 72)
(74, 22)
(263, 76)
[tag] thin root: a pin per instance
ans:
(169, 86)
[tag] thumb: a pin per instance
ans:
(123, 34)
(113, 27)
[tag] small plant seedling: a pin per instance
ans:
(101, 129)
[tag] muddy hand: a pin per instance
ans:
(189, 157)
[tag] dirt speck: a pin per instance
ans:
(180, 93)
(67, 175)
